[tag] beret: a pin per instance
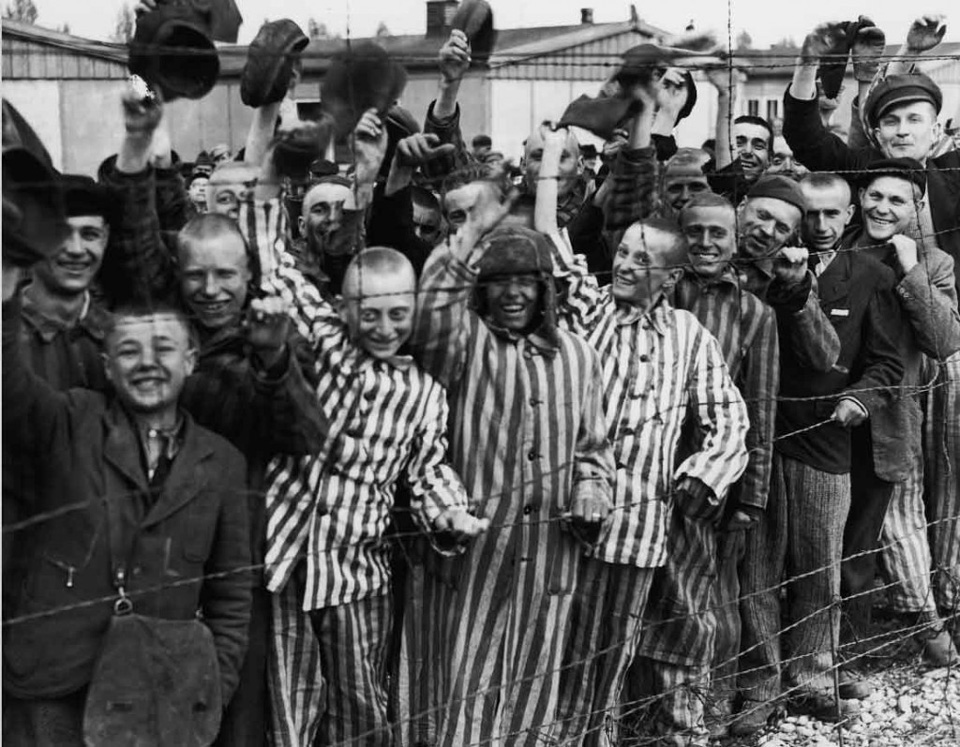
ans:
(779, 188)
(900, 168)
(902, 89)
(83, 196)
(270, 60)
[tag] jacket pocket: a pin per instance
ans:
(200, 530)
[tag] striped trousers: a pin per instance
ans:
(731, 547)
(942, 482)
(353, 640)
(800, 535)
(297, 691)
(906, 559)
(605, 621)
(664, 704)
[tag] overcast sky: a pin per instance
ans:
(767, 21)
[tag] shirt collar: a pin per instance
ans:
(536, 338)
(93, 318)
(658, 314)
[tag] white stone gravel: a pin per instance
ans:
(908, 708)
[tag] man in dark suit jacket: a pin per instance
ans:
(802, 529)
(889, 452)
(181, 496)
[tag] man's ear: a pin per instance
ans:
(860, 193)
(851, 209)
(672, 278)
(339, 304)
(106, 366)
(302, 226)
(190, 359)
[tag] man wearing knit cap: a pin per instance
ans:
(901, 118)
(888, 469)
(801, 531)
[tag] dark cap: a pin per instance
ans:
(83, 196)
(902, 89)
(899, 168)
(270, 61)
(779, 188)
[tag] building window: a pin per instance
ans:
(753, 108)
(773, 109)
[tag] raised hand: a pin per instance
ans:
(868, 45)
(142, 108)
(421, 148)
(790, 264)
(370, 145)
(820, 41)
(454, 56)
(267, 328)
(926, 32)
(673, 92)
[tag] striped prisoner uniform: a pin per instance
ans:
(387, 422)
(689, 601)
(485, 632)
(660, 367)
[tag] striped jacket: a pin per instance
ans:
(746, 329)
(387, 421)
(659, 368)
(485, 632)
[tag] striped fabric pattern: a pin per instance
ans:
(941, 444)
(527, 436)
(263, 224)
(387, 419)
(746, 329)
(296, 687)
(659, 369)
(906, 557)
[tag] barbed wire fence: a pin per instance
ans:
(876, 643)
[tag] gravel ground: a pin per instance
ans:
(911, 706)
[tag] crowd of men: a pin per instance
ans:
(444, 451)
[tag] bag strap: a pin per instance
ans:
(118, 566)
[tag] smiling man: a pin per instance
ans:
(890, 470)
(901, 119)
(131, 459)
(529, 440)
(662, 372)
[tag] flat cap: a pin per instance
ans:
(899, 168)
(779, 188)
(902, 89)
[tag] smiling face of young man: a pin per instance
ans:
(711, 235)
(148, 357)
(753, 148)
(214, 278)
(889, 206)
(71, 270)
(514, 301)
(908, 131)
(379, 301)
(644, 263)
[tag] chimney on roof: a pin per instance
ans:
(440, 14)
(586, 15)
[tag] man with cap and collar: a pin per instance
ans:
(801, 530)
(901, 116)
(889, 470)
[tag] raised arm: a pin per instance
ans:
(443, 114)
(138, 266)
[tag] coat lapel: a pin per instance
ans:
(122, 449)
(834, 284)
(187, 476)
